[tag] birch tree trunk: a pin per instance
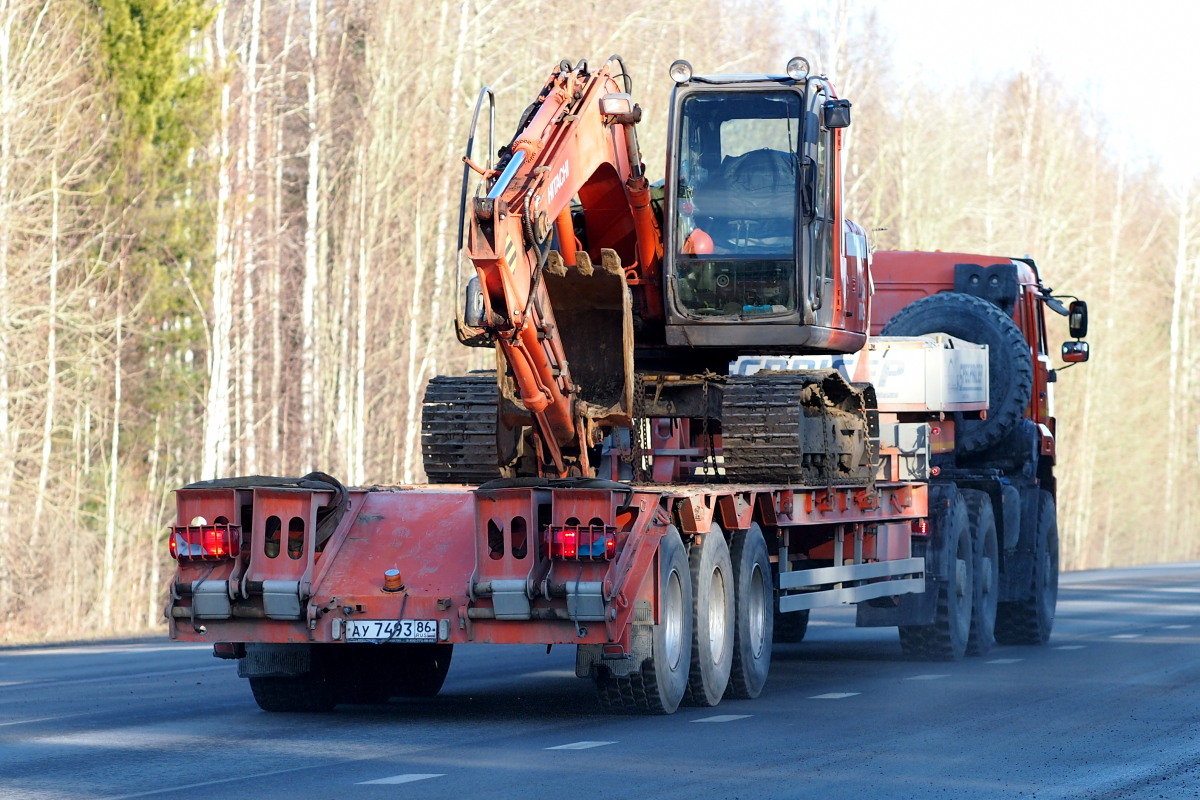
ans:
(311, 353)
(217, 422)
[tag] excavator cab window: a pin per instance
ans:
(737, 200)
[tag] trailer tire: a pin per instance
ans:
(310, 692)
(753, 616)
(1031, 619)
(420, 669)
(945, 639)
(986, 578)
(790, 626)
(1010, 370)
(713, 626)
(659, 685)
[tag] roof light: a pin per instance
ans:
(681, 71)
(797, 68)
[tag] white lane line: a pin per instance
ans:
(1005, 660)
(579, 745)
(39, 719)
(175, 790)
(111, 678)
(926, 677)
(724, 718)
(834, 696)
(1176, 627)
(1126, 636)
(1071, 647)
(411, 778)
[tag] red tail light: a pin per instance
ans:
(205, 542)
(583, 542)
(920, 527)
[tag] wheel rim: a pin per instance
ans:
(673, 620)
(716, 616)
(757, 609)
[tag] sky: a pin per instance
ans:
(1138, 62)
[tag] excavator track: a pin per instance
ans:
(458, 428)
(806, 427)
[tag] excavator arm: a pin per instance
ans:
(565, 244)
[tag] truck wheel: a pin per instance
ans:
(790, 626)
(1010, 370)
(713, 628)
(945, 639)
(986, 577)
(420, 669)
(1029, 620)
(753, 617)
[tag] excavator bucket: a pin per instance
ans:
(593, 311)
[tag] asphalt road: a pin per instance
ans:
(1109, 709)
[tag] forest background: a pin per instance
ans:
(228, 246)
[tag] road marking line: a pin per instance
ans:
(579, 745)
(724, 718)
(111, 678)
(834, 696)
(1126, 636)
(410, 778)
(39, 719)
(175, 790)
(1176, 627)
(1005, 660)
(1071, 647)
(926, 677)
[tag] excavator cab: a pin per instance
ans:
(752, 256)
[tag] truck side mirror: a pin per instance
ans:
(837, 113)
(1077, 320)
(1075, 352)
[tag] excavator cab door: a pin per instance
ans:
(819, 209)
(750, 218)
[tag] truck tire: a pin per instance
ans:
(790, 626)
(1030, 619)
(945, 639)
(713, 625)
(659, 685)
(986, 578)
(1010, 369)
(753, 617)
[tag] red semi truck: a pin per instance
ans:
(690, 440)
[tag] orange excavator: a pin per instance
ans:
(611, 300)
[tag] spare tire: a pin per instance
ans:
(1010, 367)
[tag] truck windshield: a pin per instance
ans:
(737, 196)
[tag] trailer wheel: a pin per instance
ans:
(315, 690)
(945, 639)
(1030, 620)
(986, 576)
(659, 685)
(753, 614)
(713, 628)
(664, 676)
(790, 626)
(420, 669)
(1010, 370)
